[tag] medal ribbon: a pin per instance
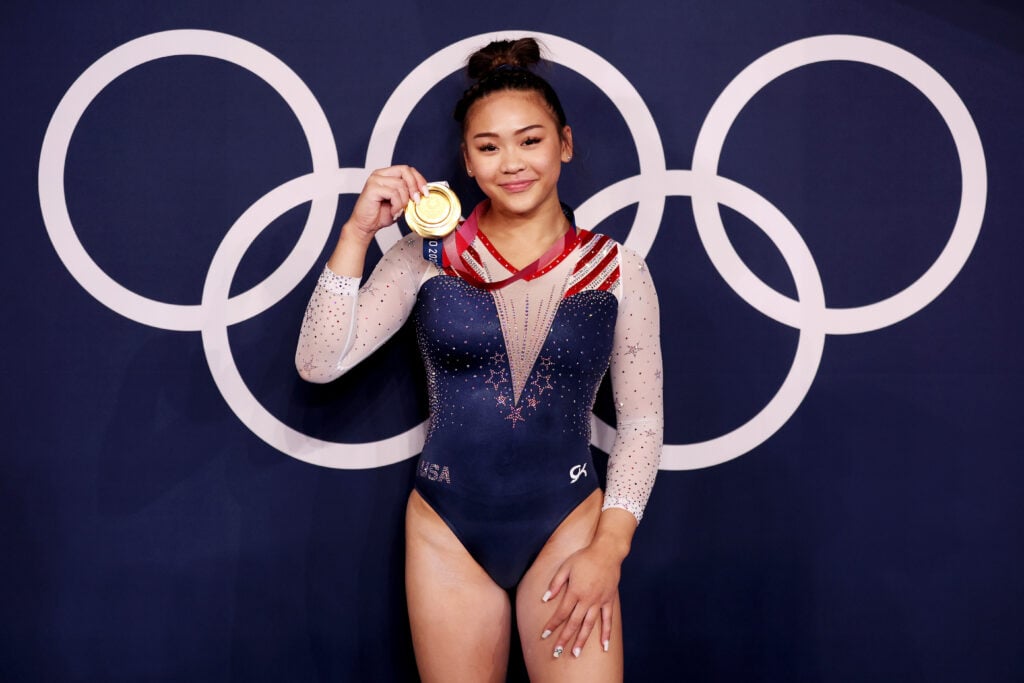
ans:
(455, 245)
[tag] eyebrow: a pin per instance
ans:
(518, 132)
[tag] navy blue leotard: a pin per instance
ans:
(512, 375)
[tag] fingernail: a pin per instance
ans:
(425, 190)
(558, 652)
(605, 646)
(576, 651)
(547, 596)
(547, 632)
(416, 197)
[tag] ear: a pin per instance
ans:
(465, 159)
(566, 143)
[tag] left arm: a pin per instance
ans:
(590, 576)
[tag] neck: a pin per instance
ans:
(522, 239)
(542, 226)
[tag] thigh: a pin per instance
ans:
(460, 618)
(593, 665)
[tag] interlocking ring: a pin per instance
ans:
(648, 189)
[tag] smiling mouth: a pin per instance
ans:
(517, 186)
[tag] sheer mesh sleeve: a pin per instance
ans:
(636, 385)
(344, 323)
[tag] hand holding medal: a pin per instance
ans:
(383, 199)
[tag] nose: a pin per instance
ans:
(511, 162)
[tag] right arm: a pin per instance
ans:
(344, 324)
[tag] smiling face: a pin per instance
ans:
(513, 147)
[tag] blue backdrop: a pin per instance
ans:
(840, 498)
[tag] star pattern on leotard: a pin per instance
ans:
(370, 289)
(502, 400)
(657, 374)
(531, 402)
(516, 415)
(497, 377)
(307, 366)
(634, 349)
(499, 358)
(542, 387)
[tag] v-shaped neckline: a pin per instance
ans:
(504, 263)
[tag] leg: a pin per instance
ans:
(594, 664)
(460, 619)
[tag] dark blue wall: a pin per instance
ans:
(148, 533)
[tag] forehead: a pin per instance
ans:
(512, 109)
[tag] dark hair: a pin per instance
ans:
(505, 65)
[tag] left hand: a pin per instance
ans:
(588, 583)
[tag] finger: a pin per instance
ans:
(396, 190)
(557, 582)
(421, 182)
(389, 171)
(561, 614)
(414, 182)
(387, 192)
(606, 625)
(588, 625)
(570, 630)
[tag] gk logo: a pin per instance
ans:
(577, 471)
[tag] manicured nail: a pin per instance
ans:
(605, 646)
(415, 197)
(576, 651)
(558, 652)
(425, 190)
(547, 596)
(547, 632)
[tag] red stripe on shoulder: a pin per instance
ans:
(592, 270)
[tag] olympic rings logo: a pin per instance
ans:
(648, 189)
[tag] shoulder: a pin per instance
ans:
(596, 242)
(632, 262)
(605, 263)
(623, 270)
(597, 264)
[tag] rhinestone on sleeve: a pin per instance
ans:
(344, 324)
(636, 374)
(341, 285)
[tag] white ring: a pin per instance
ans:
(800, 53)
(650, 188)
(52, 200)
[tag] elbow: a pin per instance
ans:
(314, 377)
(318, 375)
(311, 373)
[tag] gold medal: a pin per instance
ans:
(437, 214)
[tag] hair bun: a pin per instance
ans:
(522, 53)
(505, 65)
